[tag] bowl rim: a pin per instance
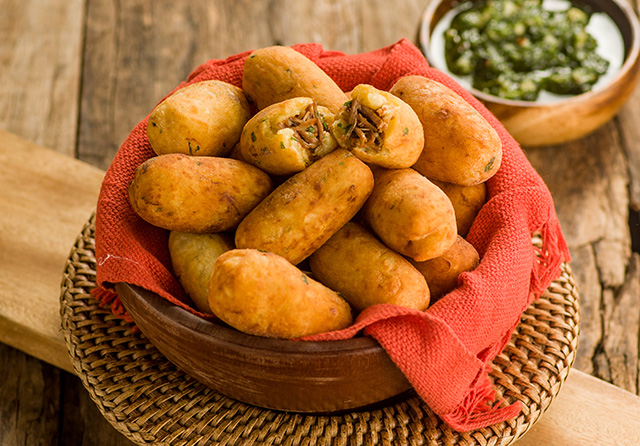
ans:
(229, 337)
(630, 59)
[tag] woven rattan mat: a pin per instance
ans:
(150, 401)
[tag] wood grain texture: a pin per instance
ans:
(386, 22)
(29, 399)
(40, 70)
(81, 423)
(337, 26)
(587, 412)
(619, 352)
(135, 53)
(46, 198)
(589, 181)
(627, 121)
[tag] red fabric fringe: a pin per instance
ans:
(108, 297)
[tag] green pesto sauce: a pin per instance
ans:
(514, 49)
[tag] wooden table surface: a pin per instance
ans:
(77, 75)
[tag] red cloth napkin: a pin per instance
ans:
(444, 351)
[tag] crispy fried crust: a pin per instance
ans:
(262, 294)
(467, 202)
(366, 272)
(460, 146)
(196, 194)
(201, 119)
(303, 212)
(192, 258)
(442, 272)
(276, 73)
(410, 214)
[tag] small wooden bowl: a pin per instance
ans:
(537, 124)
(310, 377)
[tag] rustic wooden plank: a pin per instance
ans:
(627, 120)
(29, 399)
(40, 53)
(46, 199)
(385, 22)
(587, 178)
(337, 26)
(137, 52)
(589, 181)
(619, 353)
(585, 271)
(587, 412)
(81, 423)
(61, 192)
(352, 26)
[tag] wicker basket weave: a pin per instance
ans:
(150, 401)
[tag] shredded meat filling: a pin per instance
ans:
(365, 125)
(308, 127)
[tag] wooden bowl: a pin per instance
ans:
(537, 124)
(298, 376)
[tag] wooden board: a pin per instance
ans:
(40, 70)
(30, 396)
(588, 412)
(589, 183)
(46, 198)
